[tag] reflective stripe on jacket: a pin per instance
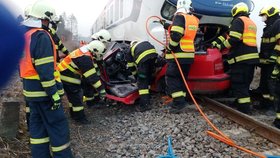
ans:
(67, 63)
(142, 51)
(185, 49)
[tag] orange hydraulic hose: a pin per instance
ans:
(222, 137)
(197, 106)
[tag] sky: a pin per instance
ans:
(86, 11)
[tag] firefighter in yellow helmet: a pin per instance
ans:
(270, 51)
(243, 55)
(268, 55)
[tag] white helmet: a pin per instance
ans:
(27, 11)
(102, 35)
(97, 48)
(132, 43)
(56, 19)
(94, 36)
(41, 9)
(184, 6)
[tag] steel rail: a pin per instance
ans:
(248, 122)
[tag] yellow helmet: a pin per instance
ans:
(269, 11)
(239, 8)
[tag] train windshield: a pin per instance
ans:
(168, 9)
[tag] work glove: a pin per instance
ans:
(102, 95)
(162, 22)
(167, 49)
(160, 61)
(216, 45)
(56, 101)
(275, 72)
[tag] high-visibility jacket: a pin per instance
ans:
(191, 26)
(78, 65)
(67, 62)
(250, 32)
(39, 86)
(27, 69)
(242, 41)
(184, 49)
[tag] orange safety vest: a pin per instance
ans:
(191, 26)
(27, 69)
(67, 63)
(250, 31)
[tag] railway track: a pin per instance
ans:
(248, 122)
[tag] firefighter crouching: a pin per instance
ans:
(77, 65)
(48, 127)
(91, 96)
(182, 33)
(142, 58)
(270, 48)
(243, 55)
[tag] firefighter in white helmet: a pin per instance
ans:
(91, 97)
(42, 90)
(102, 35)
(182, 33)
(76, 66)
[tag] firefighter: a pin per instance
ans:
(270, 50)
(142, 55)
(243, 55)
(182, 33)
(77, 65)
(91, 96)
(220, 40)
(58, 43)
(48, 128)
(102, 35)
(268, 54)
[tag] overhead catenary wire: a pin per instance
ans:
(220, 136)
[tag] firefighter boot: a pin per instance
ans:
(177, 107)
(256, 93)
(244, 108)
(143, 107)
(144, 104)
(264, 104)
(80, 117)
(276, 123)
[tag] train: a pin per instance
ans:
(126, 20)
